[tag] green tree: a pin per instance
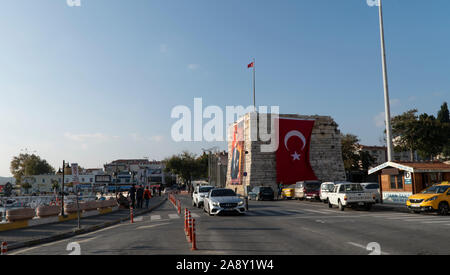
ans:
(405, 131)
(354, 158)
(349, 144)
(187, 166)
(27, 165)
(444, 119)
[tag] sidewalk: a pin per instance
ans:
(51, 232)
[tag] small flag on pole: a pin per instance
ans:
(251, 65)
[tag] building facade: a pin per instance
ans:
(259, 168)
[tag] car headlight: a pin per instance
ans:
(215, 203)
(431, 199)
(241, 203)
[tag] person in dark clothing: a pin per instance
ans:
(140, 196)
(132, 195)
(154, 190)
(159, 190)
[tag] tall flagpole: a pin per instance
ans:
(386, 88)
(254, 84)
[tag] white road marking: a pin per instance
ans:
(316, 211)
(138, 219)
(155, 218)
(194, 215)
(441, 221)
(174, 216)
(150, 226)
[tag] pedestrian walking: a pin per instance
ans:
(147, 196)
(154, 190)
(132, 195)
(140, 196)
(159, 190)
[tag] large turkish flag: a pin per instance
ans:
(293, 151)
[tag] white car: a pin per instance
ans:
(222, 200)
(325, 189)
(199, 195)
(350, 195)
(372, 188)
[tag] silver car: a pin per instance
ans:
(221, 200)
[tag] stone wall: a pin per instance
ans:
(325, 154)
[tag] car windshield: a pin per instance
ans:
(436, 190)
(223, 193)
(313, 186)
(205, 189)
(328, 187)
(353, 188)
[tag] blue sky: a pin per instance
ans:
(94, 83)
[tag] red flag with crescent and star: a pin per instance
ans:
(293, 151)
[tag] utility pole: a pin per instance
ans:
(62, 191)
(386, 88)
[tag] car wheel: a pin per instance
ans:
(443, 208)
(330, 205)
(193, 203)
(341, 207)
(368, 207)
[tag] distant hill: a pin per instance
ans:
(4, 180)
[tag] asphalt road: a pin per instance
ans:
(272, 227)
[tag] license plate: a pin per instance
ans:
(415, 205)
(360, 203)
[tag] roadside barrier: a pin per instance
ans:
(131, 214)
(189, 229)
(185, 220)
(4, 248)
(189, 226)
(179, 207)
(194, 240)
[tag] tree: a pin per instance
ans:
(187, 166)
(27, 165)
(405, 132)
(349, 144)
(354, 158)
(55, 185)
(443, 114)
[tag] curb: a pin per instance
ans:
(76, 232)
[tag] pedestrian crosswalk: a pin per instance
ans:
(333, 213)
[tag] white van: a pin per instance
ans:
(325, 189)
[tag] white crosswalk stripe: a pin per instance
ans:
(174, 216)
(155, 218)
(438, 221)
(194, 215)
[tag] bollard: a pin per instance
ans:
(185, 219)
(131, 215)
(189, 230)
(4, 248)
(194, 240)
(179, 207)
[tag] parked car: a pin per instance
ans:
(261, 193)
(350, 195)
(309, 190)
(287, 192)
(221, 200)
(372, 188)
(200, 192)
(433, 199)
(325, 189)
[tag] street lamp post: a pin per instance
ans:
(386, 87)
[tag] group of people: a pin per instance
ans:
(137, 196)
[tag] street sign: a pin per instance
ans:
(408, 178)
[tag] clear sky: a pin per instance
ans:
(94, 83)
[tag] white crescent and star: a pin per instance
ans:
(295, 133)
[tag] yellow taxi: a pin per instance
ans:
(288, 192)
(433, 199)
